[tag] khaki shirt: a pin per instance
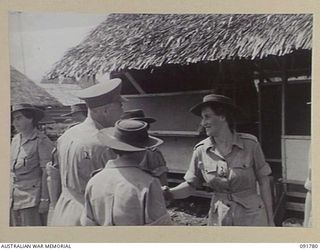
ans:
(28, 157)
(124, 195)
(79, 153)
(245, 166)
(154, 162)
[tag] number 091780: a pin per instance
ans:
(308, 245)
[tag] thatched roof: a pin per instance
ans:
(64, 93)
(23, 90)
(137, 41)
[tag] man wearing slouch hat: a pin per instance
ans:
(80, 152)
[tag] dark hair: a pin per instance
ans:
(225, 111)
(30, 114)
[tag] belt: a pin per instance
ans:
(35, 174)
(230, 195)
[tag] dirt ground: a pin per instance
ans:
(189, 212)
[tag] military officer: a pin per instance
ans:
(80, 152)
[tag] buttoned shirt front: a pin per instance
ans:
(124, 195)
(28, 157)
(245, 166)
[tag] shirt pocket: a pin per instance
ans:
(242, 175)
(208, 168)
(31, 161)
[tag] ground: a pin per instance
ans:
(191, 212)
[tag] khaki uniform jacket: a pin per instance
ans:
(124, 196)
(79, 153)
(235, 194)
(28, 159)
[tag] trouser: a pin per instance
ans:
(27, 217)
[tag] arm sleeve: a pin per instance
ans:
(90, 160)
(154, 162)
(45, 148)
(194, 176)
(261, 167)
(87, 218)
(155, 207)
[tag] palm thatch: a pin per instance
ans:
(23, 90)
(137, 41)
(64, 93)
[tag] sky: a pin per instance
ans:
(38, 40)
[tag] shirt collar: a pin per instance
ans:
(91, 122)
(210, 143)
(30, 137)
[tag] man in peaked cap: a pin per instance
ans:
(80, 152)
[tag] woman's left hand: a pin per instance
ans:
(44, 206)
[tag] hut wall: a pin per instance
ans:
(170, 110)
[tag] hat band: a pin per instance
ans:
(129, 137)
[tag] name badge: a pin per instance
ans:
(222, 169)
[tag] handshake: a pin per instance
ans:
(168, 196)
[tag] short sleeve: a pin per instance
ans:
(45, 148)
(154, 162)
(194, 176)
(261, 167)
(155, 207)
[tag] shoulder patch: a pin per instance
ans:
(248, 136)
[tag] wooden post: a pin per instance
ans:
(259, 108)
(283, 97)
(134, 83)
(284, 77)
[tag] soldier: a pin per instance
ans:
(231, 164)
(122, 194)
(153, 161)
(30, 152)
(80, 152)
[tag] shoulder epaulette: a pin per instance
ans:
(201, 143)
(248, 136)
(93, 173)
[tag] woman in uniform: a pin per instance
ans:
(231, 164)
(30, 152)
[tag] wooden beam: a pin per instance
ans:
(284, 77)
(134, 83)
(295, 206)
(202, 92)
(174, 133)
